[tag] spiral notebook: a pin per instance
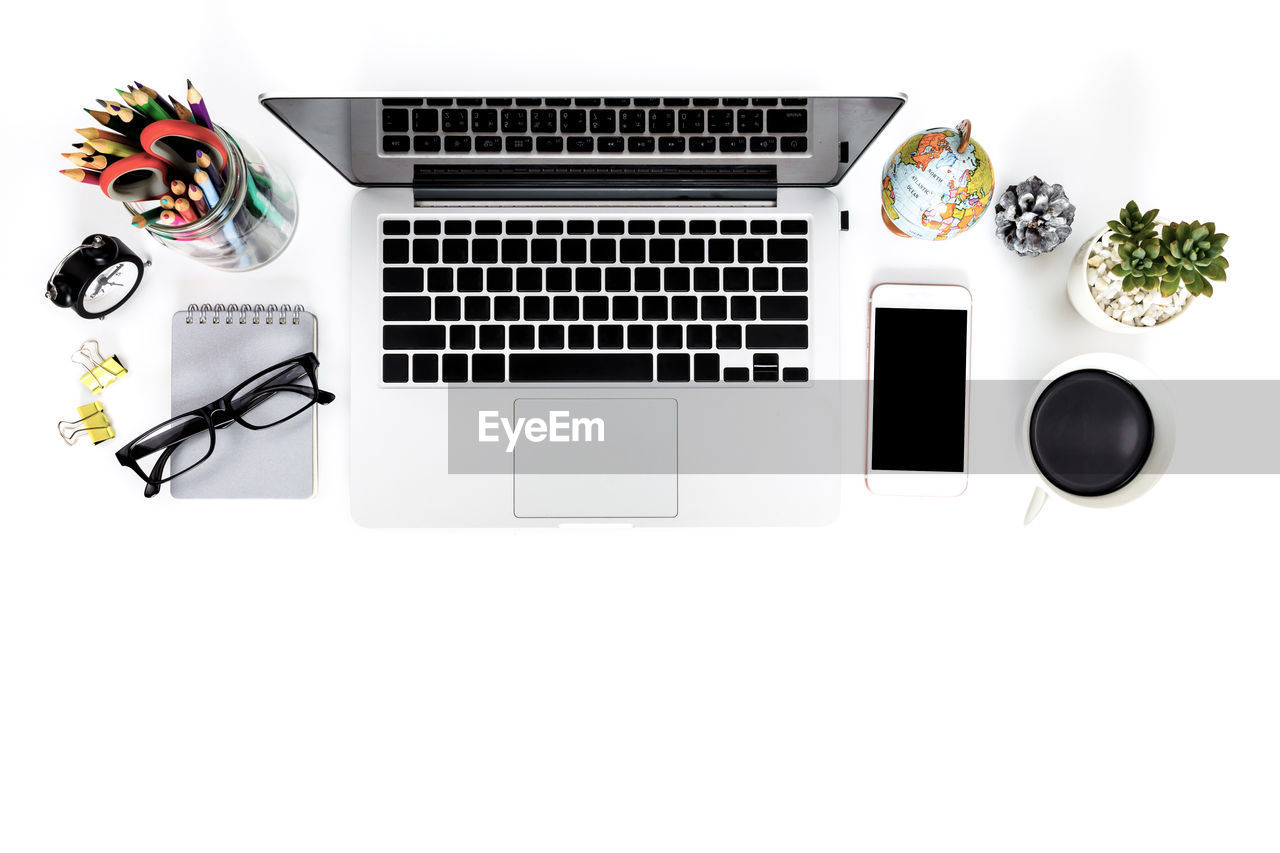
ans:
(215, 348)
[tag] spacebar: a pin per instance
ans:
(573, 367)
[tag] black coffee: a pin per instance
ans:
(1091, 432)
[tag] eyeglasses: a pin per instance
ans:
(266, 399)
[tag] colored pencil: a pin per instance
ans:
(152, 92)
(81, 176)
(149, 107)
(112, 107)
(168, 109)
(97, 162)
(198, 108)
(196, 195)
(170, 218)
(142, 220)
(94, 133)
(204, 161)
(127, 97)
(178, 187)
(114, 122)
(110, 146)
(84, 148)
(183, 207)
(181, 111)
(166, 201)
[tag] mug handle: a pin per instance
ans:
(1038, 497)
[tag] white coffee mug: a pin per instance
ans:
(1157, 397)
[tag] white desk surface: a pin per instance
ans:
(923, 675)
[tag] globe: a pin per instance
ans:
(936, 185)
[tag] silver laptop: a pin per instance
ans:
(593, 309)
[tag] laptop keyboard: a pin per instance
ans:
(672, 127)
(568, 299)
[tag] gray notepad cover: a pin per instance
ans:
(209, 359)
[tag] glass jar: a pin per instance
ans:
(252, 221)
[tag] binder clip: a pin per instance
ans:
(93, 422)
(99, 372)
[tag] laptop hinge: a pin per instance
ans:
(553, 182)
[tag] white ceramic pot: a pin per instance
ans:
(1082, 297)
(1158, 400)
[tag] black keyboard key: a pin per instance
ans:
(714, 308)
(702, 226)
(587, 279)
(793, 102)
(413, 337)
(673, 367)
(476, 308)
(426, 144)
(706, 102)
(550, 226)
(764, 226)
(528, 102)
(488, 368)
(609, 144)
(670, 337)
(631, 121)
(573, 121)
(484, 121)
(692, 121)
(639, 337)
(565, 308)
(395, 144)
(788, 251)
(582, 337)
(784, 308)
(732, 102)
(426, 367)
(675, 102)
(586, 102)
(426, 121)
(453, 367)
(795, 226)
(609, 336)
(728, 337)
(440, 280)
(506, 308)
(457, 143)
(663, 251)
(764, 144)
(706, 279)
(640, 144)
(395, 251)
(469, 102)
(676, 279)
(702, 144)
(581, 226)
(454, 251)
(697, 336)
(671, 144)
(542, 251)
(795, 144)
(671, 226)
(573, 251)
(528, 280)
(462, 337)
(787, 121)
(395, 121)
(542, 121)
(648, 279)
(515, 251)
(395, 368)
(654, 308)
(684, 308)
(795, 279)
(750, 121)
(519, 144)
(537, 308)
(692, 251)
(595, 308)
(777, 336)
(406, 308)
(453, 121)
(402, 280)
(646, 102)
(551, 337)
(764, 279)
(706, 367)
(733, 144)
(742, 308)
(515, 121)
(604, 121)
(604, 251)
(750, 251)
(626, 308)
(521, 337)
(457, 226)
(735, 279)
(617, 279)
(499, 279)
(519, 226)
(484, 251)
(631, 251)
(580, 144)
(720, 121)
(764, 102)
(489, 144)
(617, 102)
(572, 367)
(662, 121)
(470, 280)
(737, 374)
(558, 102)
(795, 374)
(733, 226)
(720, 251)
(559, 279)
(549, 144)
(448, 308)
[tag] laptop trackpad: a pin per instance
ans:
(596, 458)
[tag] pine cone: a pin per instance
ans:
(1034, 217)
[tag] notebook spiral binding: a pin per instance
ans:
(257, 314)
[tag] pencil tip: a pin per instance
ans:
(189, 86)
(102, 102)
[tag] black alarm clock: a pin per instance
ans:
(96, 277)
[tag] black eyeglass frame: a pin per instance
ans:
(219, 414)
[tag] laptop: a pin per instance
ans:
(596, 309)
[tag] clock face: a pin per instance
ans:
(111, 287)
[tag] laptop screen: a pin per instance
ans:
(615, 141)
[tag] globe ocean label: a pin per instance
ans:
(931, 189)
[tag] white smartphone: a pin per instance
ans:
(918, 389)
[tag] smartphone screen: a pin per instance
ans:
(918, 389)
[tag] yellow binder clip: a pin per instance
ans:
(99, 372)
(93, 422)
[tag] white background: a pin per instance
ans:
(923, 675)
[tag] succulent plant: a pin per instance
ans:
(1033, 217)
(1192, 254)
(1142, 263)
